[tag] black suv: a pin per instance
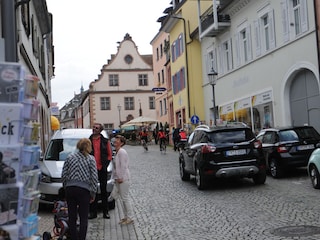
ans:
(287, 147)
(222, 152)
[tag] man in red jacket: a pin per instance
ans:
(102, 152)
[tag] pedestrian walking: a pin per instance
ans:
(80, 178)
(102, 152)
(121, 175)
(176, 138)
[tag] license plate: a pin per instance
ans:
(236, 152)
(305, 147)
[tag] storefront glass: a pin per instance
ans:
(256, 111)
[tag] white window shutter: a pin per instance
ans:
(230, 54)
(272, 33)
(248, 30)
(257, 37)
(304, 16)
(285, 20)
(237, 48)
(221, 59)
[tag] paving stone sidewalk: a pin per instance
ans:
(99, 228)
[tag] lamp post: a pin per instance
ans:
(140, 109)
(119, 109)
(212, 75)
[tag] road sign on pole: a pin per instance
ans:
(195, 119)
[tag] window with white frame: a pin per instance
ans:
(129, 103)
(226, 62)
(152, 103)
(264, 31)
(143, 79)
(243, 45)
(113, 80)
(177, 47)
(105, 103)
(165, 105)
(108, 126)
(294, 18)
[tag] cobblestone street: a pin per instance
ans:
(167, 208)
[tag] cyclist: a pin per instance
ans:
(182, 139)
(144, 138)
(162, 138)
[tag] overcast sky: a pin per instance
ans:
(85, 35)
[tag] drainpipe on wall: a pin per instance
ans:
(9, 30)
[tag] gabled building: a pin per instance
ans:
(265, 56)
(123, 90)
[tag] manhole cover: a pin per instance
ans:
(296, 231)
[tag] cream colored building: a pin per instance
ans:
(123, 90)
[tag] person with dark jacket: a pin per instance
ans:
(80, 181)
(102, 152)
(176, 138)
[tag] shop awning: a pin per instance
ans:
(55, 124)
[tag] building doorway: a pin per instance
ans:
(305, 100)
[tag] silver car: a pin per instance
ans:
(62, 143)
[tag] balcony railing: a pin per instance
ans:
(208, 26)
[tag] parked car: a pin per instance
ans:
(222, 152)
(314, 167)
(62, 143)
(287, 147)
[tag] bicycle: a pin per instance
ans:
(163, 146)
(144, 144)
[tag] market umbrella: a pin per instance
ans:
(140, 121)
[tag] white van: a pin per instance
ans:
(62, 143)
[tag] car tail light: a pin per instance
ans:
(282, 149)
(257, 144)
(208, 149)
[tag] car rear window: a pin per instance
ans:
(59, 149)
(288, 135)
(231, 136)
(299, 133)
(307, 133)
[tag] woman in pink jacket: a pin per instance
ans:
(121, 175)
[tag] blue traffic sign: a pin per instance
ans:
(194, 119)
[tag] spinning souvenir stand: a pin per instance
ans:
(19, 153)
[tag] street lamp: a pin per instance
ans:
(140, 109)
(119, 109)
(212, 80)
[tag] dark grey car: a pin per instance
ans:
(287, 147)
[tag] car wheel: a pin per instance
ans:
(260, 177)
(275, 170)
(315, 177)
(46, 236)
(200, 179)
(183, 174)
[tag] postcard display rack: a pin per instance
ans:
(19, 153)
